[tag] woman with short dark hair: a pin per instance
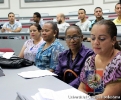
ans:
(71, 61)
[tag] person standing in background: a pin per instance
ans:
(62, 25)
(84, 23)
(117, 21)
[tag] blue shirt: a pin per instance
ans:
(12, 26)
(48, 58)
(65, 62)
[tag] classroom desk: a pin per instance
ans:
(12, 83)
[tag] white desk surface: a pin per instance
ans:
(12, 83)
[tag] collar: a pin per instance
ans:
(13, 23)
(81, 51)
(118, 20)
(52, 44)
(96, 19)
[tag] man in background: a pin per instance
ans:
(84, 23)
(37, 18)
(98, 14)
(117, 21)
(62, 25)
(12, 25)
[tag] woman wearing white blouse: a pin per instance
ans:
(31, 46)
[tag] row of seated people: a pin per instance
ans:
(77, 66)
(84, 23)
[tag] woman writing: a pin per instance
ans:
(107, 58)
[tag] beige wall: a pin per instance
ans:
(27, 9)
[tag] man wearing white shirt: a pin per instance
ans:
(37, 19)
(84, 23)
(62, 25)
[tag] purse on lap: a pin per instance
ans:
(15, 62)
(66, 77)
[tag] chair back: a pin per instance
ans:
(6, 50)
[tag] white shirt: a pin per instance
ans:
(62, 27)
(41, 23)
(84, 26)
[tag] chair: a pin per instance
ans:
(6, 50)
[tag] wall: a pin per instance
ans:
(27, 9)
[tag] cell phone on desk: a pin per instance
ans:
(21, 97)
(1, 72)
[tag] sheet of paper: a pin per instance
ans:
(67, 94)
(72, 94)
(1, 54)
(45, 94)
(36, 73)
(8, 55)
(37, 96)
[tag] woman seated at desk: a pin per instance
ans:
(72, 60)
(101, 74)
(47, 56)
(31, 46)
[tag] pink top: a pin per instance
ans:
(31, 49)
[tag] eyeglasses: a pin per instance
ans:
(68, 38)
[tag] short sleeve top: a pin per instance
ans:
(31, 49)
(111, 73)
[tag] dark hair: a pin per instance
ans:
(10, 13)
(54, 27)
(117, 4)
(98, 8)
(37, 26)
(111, 30)
(76, 27)
(37, 14)
(83, 10)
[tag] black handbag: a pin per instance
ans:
(15, 62)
